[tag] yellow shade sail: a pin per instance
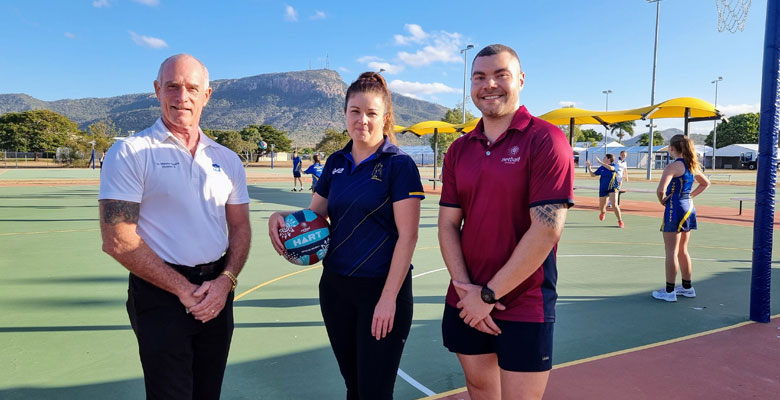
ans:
(563, 116)
(674, 108)
(430, 127)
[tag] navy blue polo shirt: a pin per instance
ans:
(360, 207)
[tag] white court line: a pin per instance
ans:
(404, 375)
(418, 385)
(429, 272)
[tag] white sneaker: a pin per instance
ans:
(663, 295)
(680, 291)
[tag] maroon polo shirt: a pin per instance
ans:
(495, 185)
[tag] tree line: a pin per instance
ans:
(43, 131)
(46, 131)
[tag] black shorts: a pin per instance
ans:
(296, 174)
(521, 346)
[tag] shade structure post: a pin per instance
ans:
(435, 154)
(687, 120)
(767, 169)
(571, 132)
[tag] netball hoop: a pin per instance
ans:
(732, 14)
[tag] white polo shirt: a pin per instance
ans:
(622, 166)
(182, 216)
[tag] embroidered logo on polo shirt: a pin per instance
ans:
(338, 170)
(216, 167)
(377, 173)
(513, 158)
(164, 164)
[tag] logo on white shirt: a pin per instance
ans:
(216, 167)
(164, 164)
(338, 170)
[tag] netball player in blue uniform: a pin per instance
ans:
(315, 170)
(608, 186)
(371, 192)
(674, 192)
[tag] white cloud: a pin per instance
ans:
(443, 47)
(567, 103)
(150, 3)
(101, 3)
(417, 89)
(387, 67)
(148, 41)
(734, 109)
(368, 59)
(70, 35)
(417, 35)
(375, 64)
(343, 69)
(290, 13)
(318, 15)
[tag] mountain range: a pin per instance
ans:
(303, 103)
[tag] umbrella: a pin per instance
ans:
(436, 127)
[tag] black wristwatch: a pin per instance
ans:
(488, 295)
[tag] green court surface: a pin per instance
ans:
(66, 335)
(48, 173)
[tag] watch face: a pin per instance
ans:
(488, 296)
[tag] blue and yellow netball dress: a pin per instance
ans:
(607, 180)
(679, 215)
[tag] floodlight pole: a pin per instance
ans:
(465, 72)
(652, 91)
(606, 130)
(715, 123)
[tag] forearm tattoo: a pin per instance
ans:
(550, 215)
(117, 211)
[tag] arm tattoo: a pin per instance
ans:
(550, 215)
(116, 211)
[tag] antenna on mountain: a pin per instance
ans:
(327, 61)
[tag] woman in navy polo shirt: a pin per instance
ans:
(371, 193)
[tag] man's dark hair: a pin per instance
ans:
(494, 49)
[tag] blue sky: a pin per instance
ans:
(570, 50)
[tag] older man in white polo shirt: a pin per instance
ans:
(174, 211)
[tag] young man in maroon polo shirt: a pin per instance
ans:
(507, 187)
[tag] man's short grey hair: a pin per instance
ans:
(174, 57)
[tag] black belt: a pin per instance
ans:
(201, 272)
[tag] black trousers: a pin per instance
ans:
(369, 366)
(182, 358)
